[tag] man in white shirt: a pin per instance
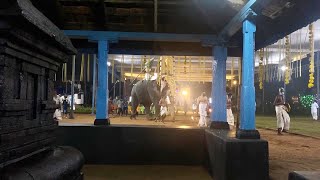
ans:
(314, 110)
(203, 102)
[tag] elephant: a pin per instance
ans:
(145, 92)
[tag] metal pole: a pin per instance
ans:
(72, 85)
(318, 79)
(318, 74)
(120, 94)
(94, 82)
(114, 90)
(239, 92)
(263, 99)
(65, 77)
(155, 4)
(284, 87)
(66, 87)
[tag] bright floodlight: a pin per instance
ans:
(109, 63)
(283, 68)
(184, 92)
(210, 100)
(235, 82)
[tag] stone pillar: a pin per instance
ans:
(102, 117)
(219, 100)
(247, 99)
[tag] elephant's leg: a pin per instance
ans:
(148, 112)
(157, 110)
(172, 112)
(135, 103)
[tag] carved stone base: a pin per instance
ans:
(59, 163)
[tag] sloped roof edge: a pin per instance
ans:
(35, 17)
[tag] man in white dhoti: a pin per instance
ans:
(286, 117)
(230, 117)
(314, 110)
(203, 102)
(279, 107)
(57, 114)
(163, 109)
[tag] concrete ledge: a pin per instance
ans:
(236, 159)
(304, 175)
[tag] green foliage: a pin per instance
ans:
(83, 110)
(306, 101)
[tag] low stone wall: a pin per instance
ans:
(135, 144)
(224, 156)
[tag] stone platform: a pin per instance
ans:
(135, 144)
(222, 155)
(232, 158)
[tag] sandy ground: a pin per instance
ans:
(286, 153)
(291, 153)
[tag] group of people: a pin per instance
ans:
(119, 106)
(64, 102)
(203, 104)
(122, 107)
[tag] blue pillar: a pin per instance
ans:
(94, 82)
(247, 99)
(219, 100)
(102, 90)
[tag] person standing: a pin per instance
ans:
(230, 117)
(314, 110)
(119, 106)
(286, 117)
(65, 104)
(130, 108)
(57, 114)
(194, 108)
(163, 109)
(203, 103)
(279, 108)
(125, 107)
(185, 107)
(142, 108)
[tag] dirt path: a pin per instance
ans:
(291, 153)
(286, 153)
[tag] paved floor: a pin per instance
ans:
(180, 120)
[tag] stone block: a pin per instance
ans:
(236, 159)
